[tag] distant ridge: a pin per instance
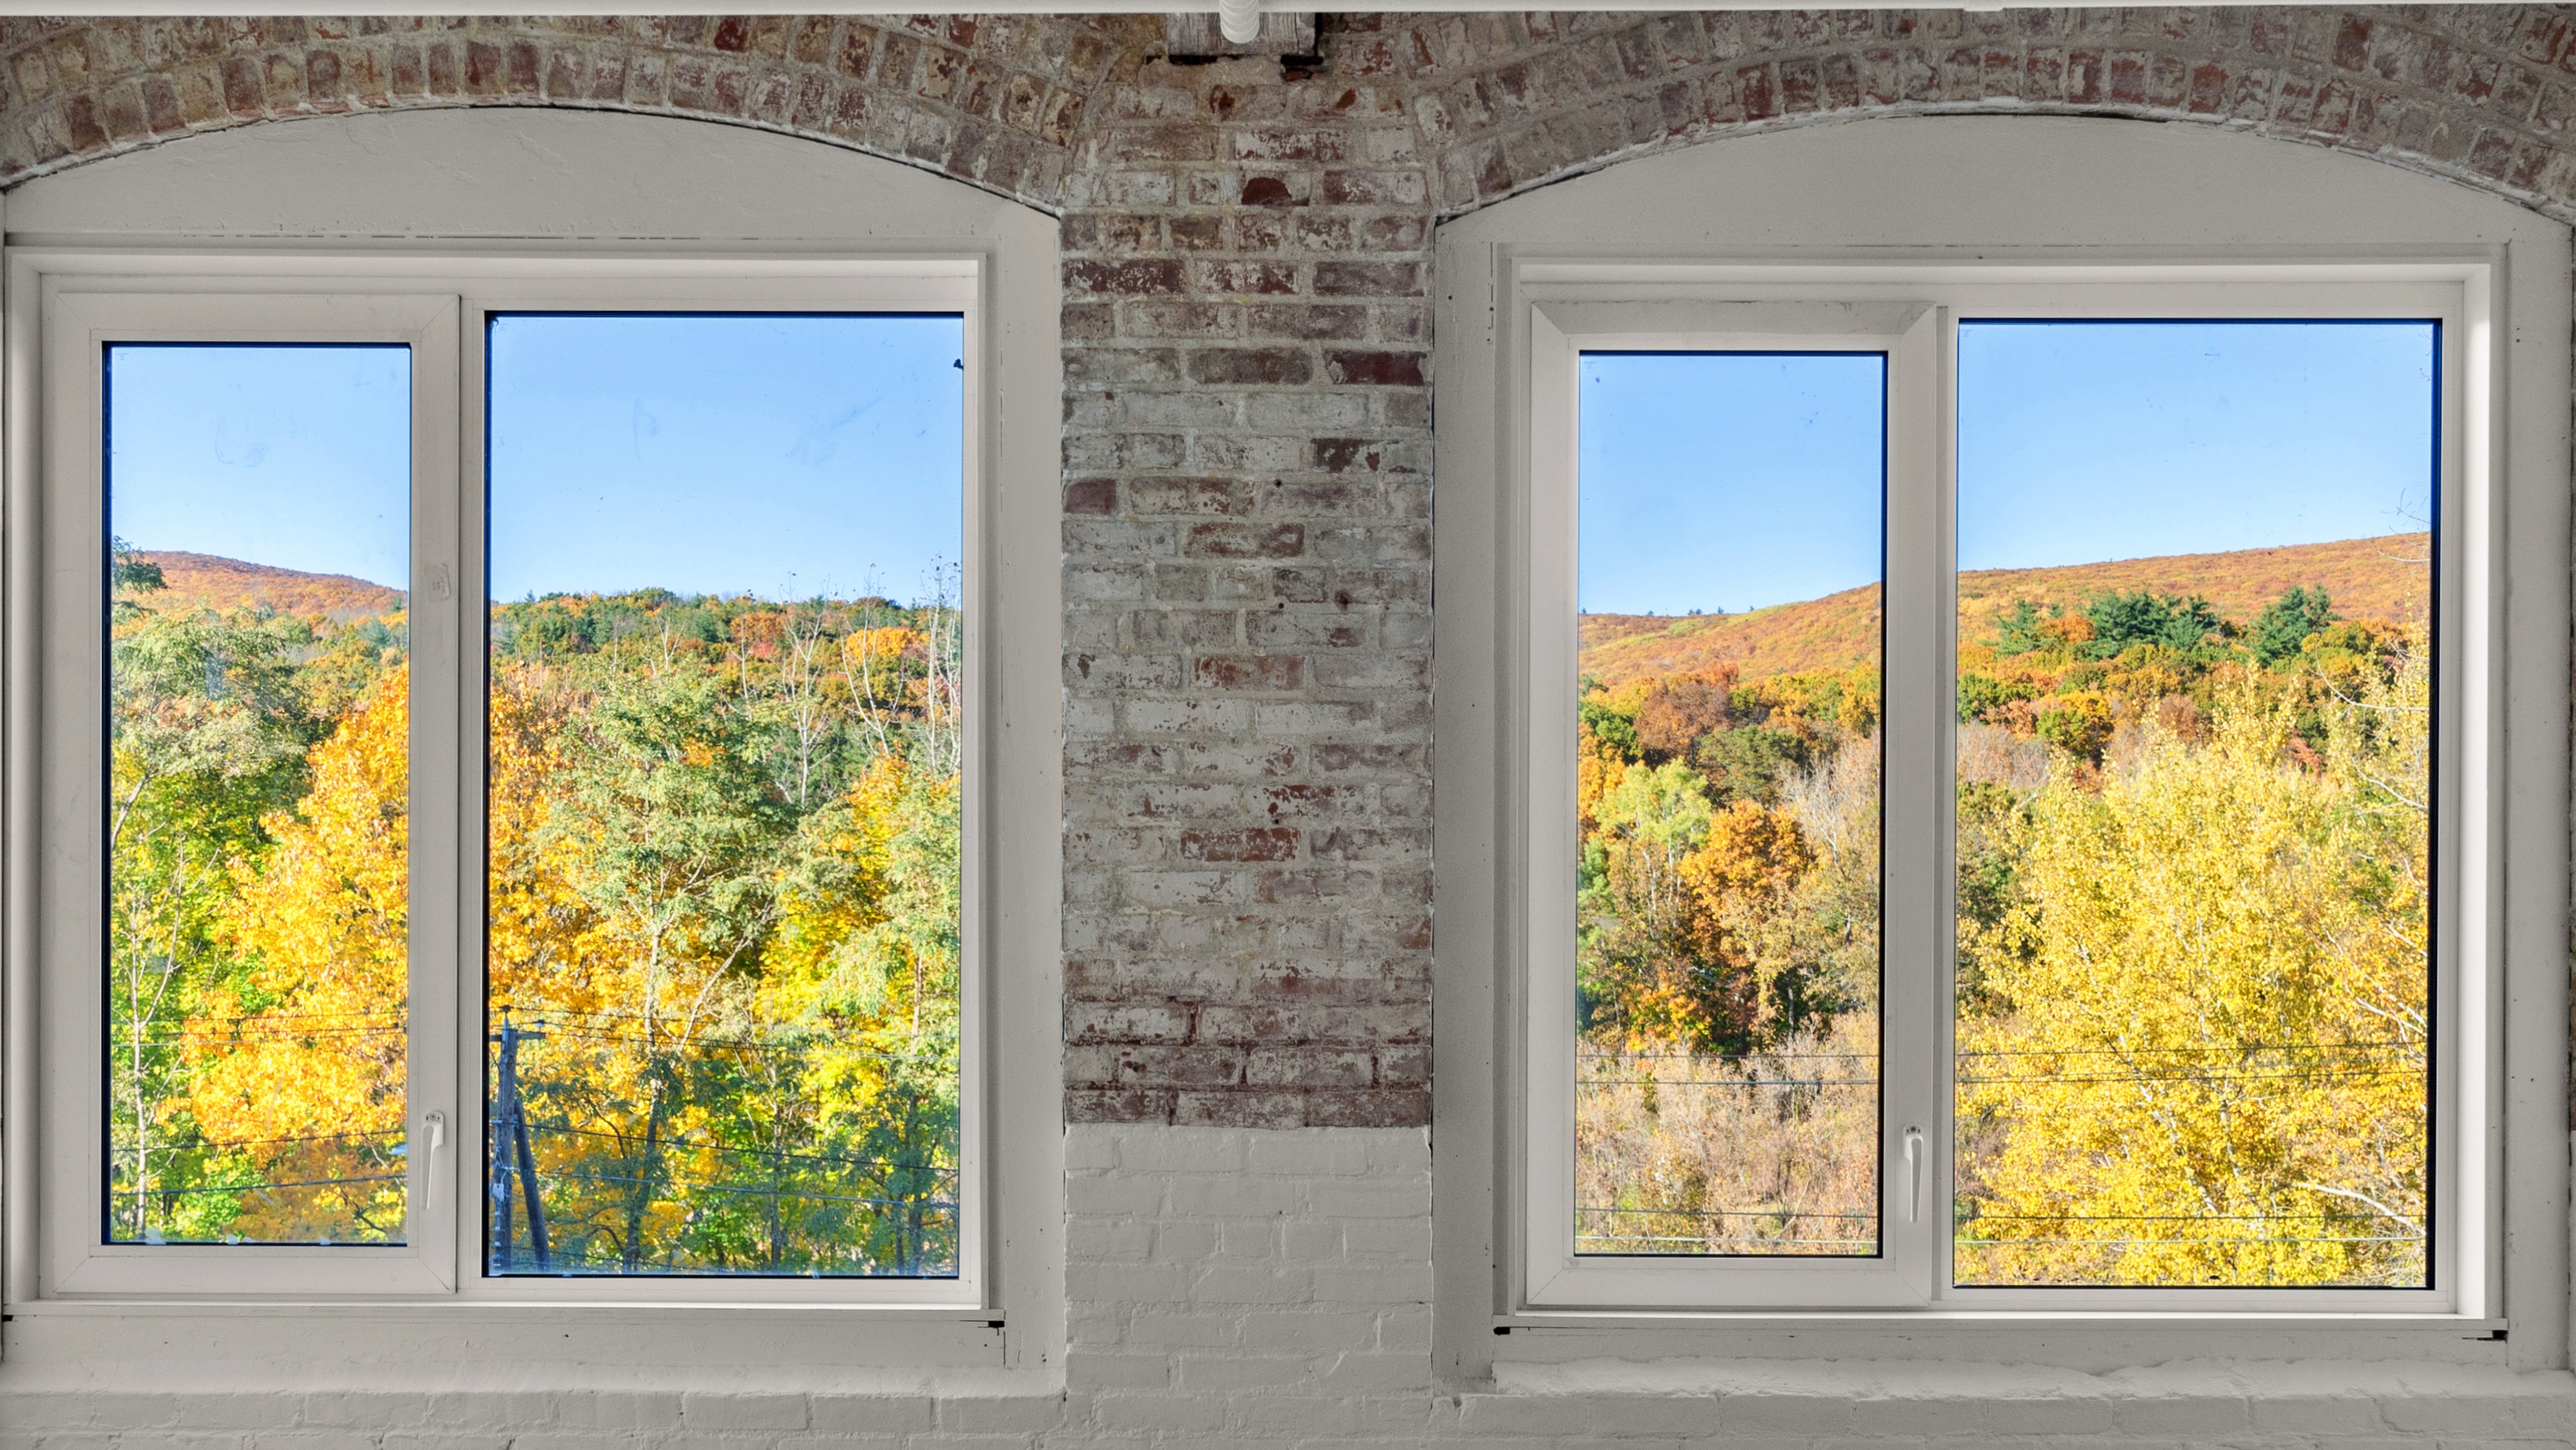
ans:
(228, 584)
(2382, 578)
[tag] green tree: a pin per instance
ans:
(2020, 630)
(2121, 619)
(2287, 622)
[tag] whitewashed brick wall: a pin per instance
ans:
(1250, 1287)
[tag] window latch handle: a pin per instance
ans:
(435, 1125)
(1913, 1174)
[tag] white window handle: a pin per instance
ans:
(436, 1123)
(1913, 1174)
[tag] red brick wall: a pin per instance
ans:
(1247, 495)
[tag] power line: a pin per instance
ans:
(690, 1144)
(699, 1187)
(262, 1187)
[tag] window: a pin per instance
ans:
(538, 843)
(2101, 689)
(2180, 808)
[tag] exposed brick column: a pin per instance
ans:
(1247, 623)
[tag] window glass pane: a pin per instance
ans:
(1730, 539)
(257, 549)
(725, 794)
(2194, 843)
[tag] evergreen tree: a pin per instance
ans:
(2286, 623)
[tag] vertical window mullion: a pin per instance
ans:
(438, 772)
(1913, 1126)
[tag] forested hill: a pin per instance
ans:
(228, 584)
(2378, 578)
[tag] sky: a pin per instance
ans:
(292, 456)
(782, 456)
(1726, 480)
(788, 457)
(1718, 481)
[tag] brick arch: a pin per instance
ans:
(995, 101)
(2481, 95)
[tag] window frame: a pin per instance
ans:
(1912, 314)
(80, 326)
(52, 1261)
(1564, 323)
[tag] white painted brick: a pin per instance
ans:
(1405, 1239)
(1791, 1414)
(1192, 1152)
(969, 1440)
(1128, 1283)
(1311, 1153)
(1093, 1193)
(1232, 1197)
(1007, 1414)
(1369, 1198)
(1408, 1417)
(1193, 1328)
(1251, 1240)
(1210, 1374)
(2338, 1415)
(1404, 1331)
(1186, 1241)
(2490, 1415)
(2182, 1415)
(1409, 1285)
(625, 1410)
(1309, 1331)
(852, 1414)
(711, 1412)
(1108, 1240)
(1307, 1242)
(1230, 1284)
(1367, 1371)
(1112, 1369)
(1158, 1412)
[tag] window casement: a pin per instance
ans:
(1969, 426)
(575, 880)
(1751, 1106)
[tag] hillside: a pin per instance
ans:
(227, 584)
(2379, 578)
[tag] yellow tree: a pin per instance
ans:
(302, 1069)
(2205, 1060)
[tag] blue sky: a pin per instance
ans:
(1736, 481)
(293, 456)
(2128, 440)
(1726, 480)
(787, 457)
(780, 456)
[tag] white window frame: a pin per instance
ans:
(895, 241)
(1896, 211)
(1911, 316)
(80, 323)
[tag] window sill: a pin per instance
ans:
(2201, 1397)
(1615, 1348)
(1583, 1319)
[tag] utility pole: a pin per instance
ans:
(511, 1152)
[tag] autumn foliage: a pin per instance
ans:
(722, 937)
(2193, 858)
